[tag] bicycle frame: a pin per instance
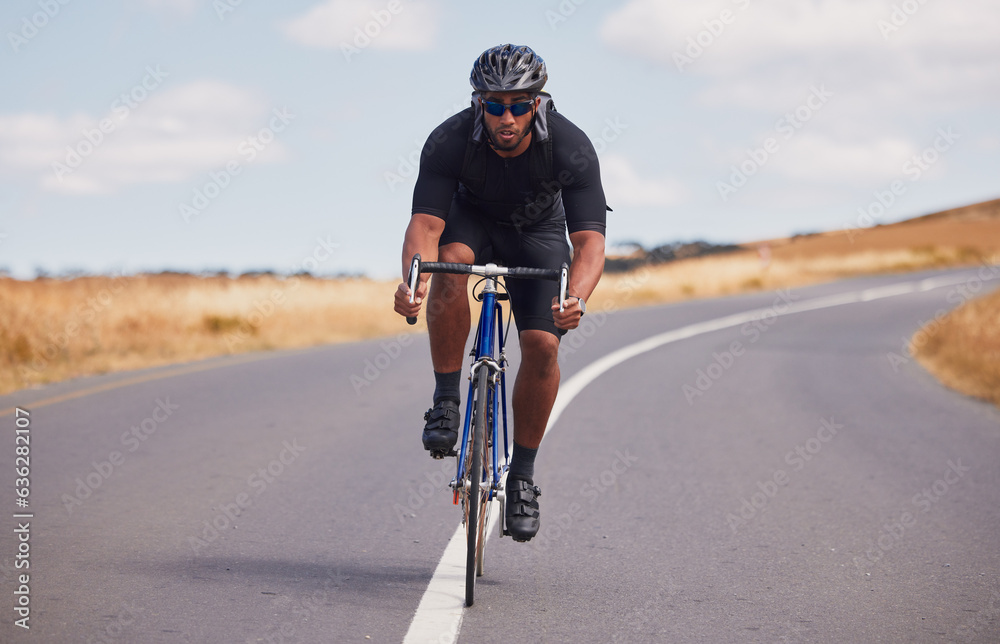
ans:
(489, 361)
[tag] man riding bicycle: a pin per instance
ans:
(503, 181)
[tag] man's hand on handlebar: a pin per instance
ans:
(401, 299)
(569, 317)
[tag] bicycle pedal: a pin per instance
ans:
(438, 454)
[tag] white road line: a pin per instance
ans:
(439, 615)
(948, 280)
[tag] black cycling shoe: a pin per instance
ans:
(441, 430)
(521, 515)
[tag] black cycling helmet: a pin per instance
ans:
(508, 68)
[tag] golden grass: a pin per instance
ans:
(743, 271)
(962, 349)
(53, 329)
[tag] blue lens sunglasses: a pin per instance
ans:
(517, 109)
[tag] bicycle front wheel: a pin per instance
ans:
(474, 525)
(486, 480)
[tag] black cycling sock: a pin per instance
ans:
(447, 386)
(522, 463)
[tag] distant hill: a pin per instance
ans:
(974, 228)
(975, 212)
(665, 253)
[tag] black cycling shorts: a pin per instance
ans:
(542, 245)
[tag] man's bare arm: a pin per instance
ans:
(422, 236)
(584, 274)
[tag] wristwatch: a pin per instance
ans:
(583, 304)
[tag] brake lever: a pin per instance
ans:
(413, 278)
(563, 282)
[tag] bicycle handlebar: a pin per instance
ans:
(499, 271)
(417, 267)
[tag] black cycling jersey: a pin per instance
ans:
(507, 195)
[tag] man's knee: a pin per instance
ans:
(456, 252)
(539, 348)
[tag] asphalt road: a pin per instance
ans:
(810, 483)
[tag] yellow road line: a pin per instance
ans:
(180, 371)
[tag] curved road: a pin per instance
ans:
(788, 476)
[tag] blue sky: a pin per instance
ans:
(725, 120)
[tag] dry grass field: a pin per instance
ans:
(54, 329)
(963, 348)
(51, 329)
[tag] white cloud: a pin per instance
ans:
(184, 7)
(658, 29)
(172, 136)
(363, 23)
(784, 29)
(894, 76)
(823, 159)
(623, 185)
(947, 52)
(988, 143)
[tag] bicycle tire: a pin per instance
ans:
(474, 472)
(486, 487)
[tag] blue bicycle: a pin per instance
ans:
(481, 474)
